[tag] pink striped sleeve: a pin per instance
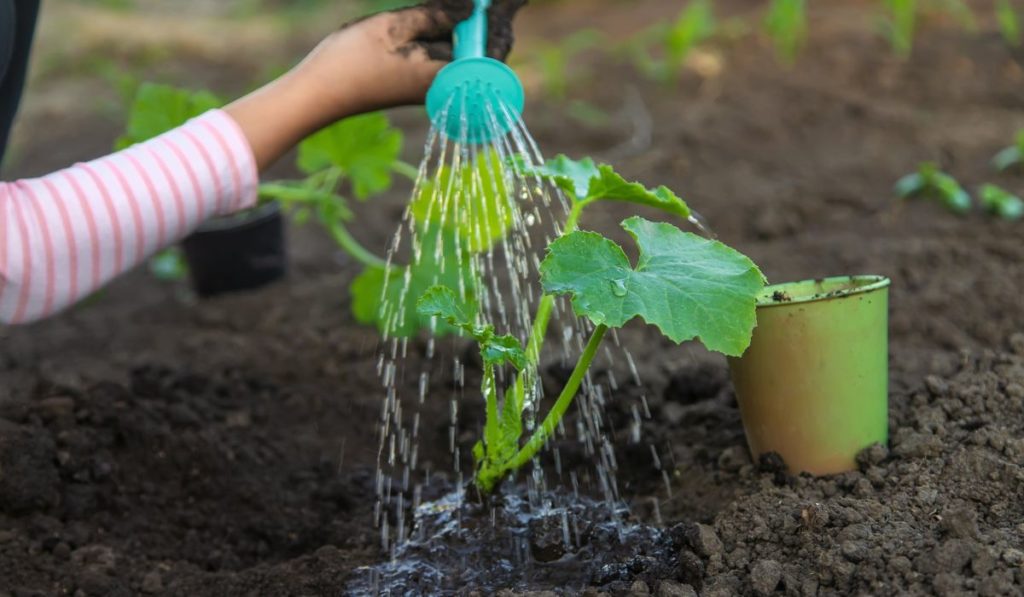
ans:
(64, 235)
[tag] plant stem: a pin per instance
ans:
(346, 241)
(407, 170)
(328, 179)
(547, 428)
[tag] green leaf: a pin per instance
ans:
(389, 301)
(901, 25)
(909, 185)
(586, 181)
(1007, 158)
(169, 264)
(686, 285)
(501, 431)
(572, 176)
(1000, 202)
(475, 207)
(609, 186)
(932, 183)
(160, 108)
(1009, 22)
(363, 147)
(1012, 155)
(786, 23)
(443, 302)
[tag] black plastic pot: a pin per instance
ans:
(238, 252)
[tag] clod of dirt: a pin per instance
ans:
(671, 588)
(703, 540)
(549, 539)
(152, 583)
(765, 576)
(733, 458)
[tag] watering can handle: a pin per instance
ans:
(471, 35)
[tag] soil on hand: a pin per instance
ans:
(153, 445)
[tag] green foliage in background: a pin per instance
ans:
(157, 109)
(1012, 156)
(558, 62)
(1009, 22)
(1001, 202)
(930, 182)
(660, 51)
(899, 25)
(786, 24)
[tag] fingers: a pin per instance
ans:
(438, 50)
(454, 10)
(499, 27)
(499, 40)
(424, 22)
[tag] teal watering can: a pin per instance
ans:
(472, 87)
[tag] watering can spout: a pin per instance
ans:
(474, 98)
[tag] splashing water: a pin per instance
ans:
(479, 225)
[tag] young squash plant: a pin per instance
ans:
(686, 285)
(932, 183)
(359, 157)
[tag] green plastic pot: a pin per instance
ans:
(813, 385)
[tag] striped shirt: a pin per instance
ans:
(64, 235)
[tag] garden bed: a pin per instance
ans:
(149, 444)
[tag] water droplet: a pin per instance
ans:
(619, 287)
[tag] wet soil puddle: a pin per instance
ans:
(569, 542)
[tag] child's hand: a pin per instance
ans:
(388, 59)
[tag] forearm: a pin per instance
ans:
(277, 116)
(64, 235)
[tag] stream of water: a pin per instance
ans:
(480, 226)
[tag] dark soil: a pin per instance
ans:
(150, 444)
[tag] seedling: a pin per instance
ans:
(786, 23)
(673, 43)
(931, 183)
(555, 59)
(688, 286)
(1011, 156)
(1009, 23)
(1001, 202)
(357, 156)
(900, 24)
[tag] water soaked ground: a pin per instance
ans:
(569, 541)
